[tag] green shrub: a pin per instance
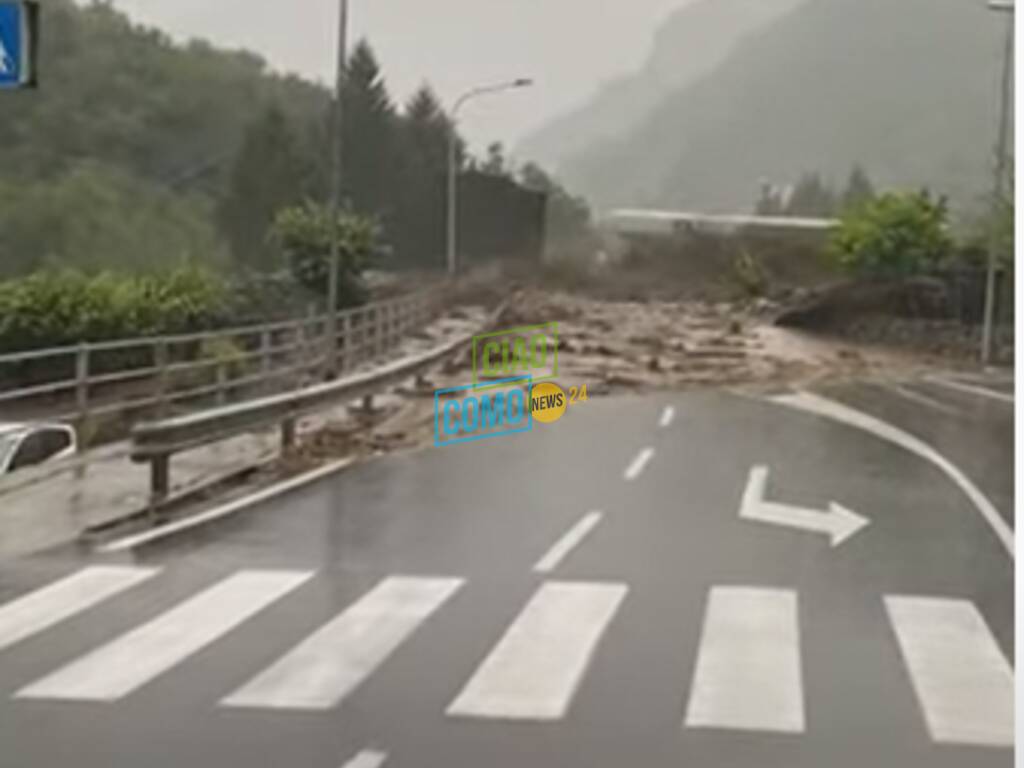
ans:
(303, 234)
(54, 309)
(894, 235)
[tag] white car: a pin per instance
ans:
(31, 444)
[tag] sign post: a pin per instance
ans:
(19, 27)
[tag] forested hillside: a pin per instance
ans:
(692, 42)
(906, 88)
(122, 155)
(137, 154)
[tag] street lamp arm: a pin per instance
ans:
(484, 90)
(453, 139)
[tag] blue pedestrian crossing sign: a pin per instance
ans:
(18, 32)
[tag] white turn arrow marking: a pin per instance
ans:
(838, 523)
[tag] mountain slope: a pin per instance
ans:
(690, 44)
(908, 88)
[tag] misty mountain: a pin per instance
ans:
(690, 44)
(907, 88)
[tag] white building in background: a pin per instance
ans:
(627, 222)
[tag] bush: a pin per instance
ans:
(894, 235)
(53, 309)
(303, 234)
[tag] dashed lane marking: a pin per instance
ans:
(667, 416)
(639, 463)
(569, 541)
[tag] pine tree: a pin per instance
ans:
(268, 174)
(859, 189)
(427, 130)
(495, 162)
(418, 232)
(812, 197)
(368, 167)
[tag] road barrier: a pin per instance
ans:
(156, 442)
(95, 385)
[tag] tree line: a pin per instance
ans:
(138, 154)
(813, 197)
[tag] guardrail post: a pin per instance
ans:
(311, 346)
(266, 358)
(82, 393)
(287, 434)
(159, 479)
(400, 310)
(222, 382)
(346, 331)
(378, 333)
(160, 363)
(299, 361)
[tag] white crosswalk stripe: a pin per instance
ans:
(68, 597)
(962, 681)
(534, 670)
(368, 758)
(332, 662)
(747, 672)
(748, 667)
(139, 656)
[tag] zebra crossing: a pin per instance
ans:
(747, 674)
(748, 669)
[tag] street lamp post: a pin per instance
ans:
(997, 186)
(453, 171)
(334, 204)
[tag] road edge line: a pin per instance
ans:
(971, 389)
(223, 511)
(851, 417)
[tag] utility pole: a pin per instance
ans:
(334, 205)
(997, 186)
(453, 170)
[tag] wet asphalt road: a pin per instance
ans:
(483, 514)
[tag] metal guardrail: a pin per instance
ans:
(157, 442)
(130, 379)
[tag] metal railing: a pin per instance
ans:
(103, 388)
(156, 442)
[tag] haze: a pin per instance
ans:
(568, 46)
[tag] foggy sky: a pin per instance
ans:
(568, 46)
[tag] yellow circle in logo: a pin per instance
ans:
(547, 402)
